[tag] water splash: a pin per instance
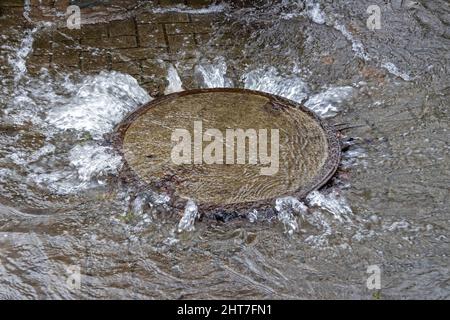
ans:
(99, 103)
(253, 216)
(314, 12)
(392, 68)
(333, 203)
(212, 75)
(18, 58)
(94, 161)
(27, 10)
(89, 166)
(181, 8)
(326, 103)
(288, 208)
(357, 45)
(353, 157)
(318, 220)
(139, 203)
(190, 214)
(175, 84)
(271, 81)
(72, 114)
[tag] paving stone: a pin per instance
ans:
(12, 3)
(130, 67)
(202, 28)
(62, 5)
(204, 18)
(11, 11)
(96, 31)
(151, 35)
(133, 54)
(170, 2)
(36, 63)
(198, 3)
(91, 62)
(179, 28)
(122, 28)
(136, 46)
(194, 27)
(155, 87)
(111, 43)
(181, 43)
(67, 57)
(153, 76)
(202, 38)
(167, 17)
(154, 68)
(42, 45)
(124, 42)
(66, 34)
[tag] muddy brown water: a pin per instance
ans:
(387, 91)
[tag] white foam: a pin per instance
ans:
(214, 8)
(357, 45)
(288, 209)
(27, 10)
(269, 80)
(326, 103)
(190, 214)
(88, 166)
(92, 161)
(99, 103)
(333, 203)
(253, 216)
(175, 84)
(18, 58)
(314, 12)
(392, 68)
(212, 75)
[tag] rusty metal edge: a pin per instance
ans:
(324, 175)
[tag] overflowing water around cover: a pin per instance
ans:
(63, 207)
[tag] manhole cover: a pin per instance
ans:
(228, 148)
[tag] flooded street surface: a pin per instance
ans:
(64, 209)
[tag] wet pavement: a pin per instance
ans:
(64, 208)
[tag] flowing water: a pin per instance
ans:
(63, 208)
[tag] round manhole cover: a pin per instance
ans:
(228, 148)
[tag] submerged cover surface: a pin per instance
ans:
(212, 146)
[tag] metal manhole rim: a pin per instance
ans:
(321, 178)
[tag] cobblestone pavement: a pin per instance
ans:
(396, 159)
(139, 43)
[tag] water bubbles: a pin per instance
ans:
(326, 103)
(271, 81)
(288, 208)
(70, 115)
(212, 75)
(94, 161)
(253, 216)
(392, 68)
(181, 8)
(85, 166)
(332, 203)
(17, 59)
(190, 214)
(98, 103)
(314, 12)
(175, 84)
